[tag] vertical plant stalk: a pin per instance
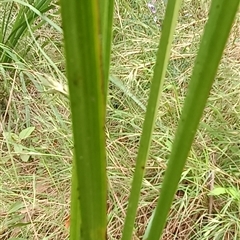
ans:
(215, 36)
(83, 47)
(163, 54)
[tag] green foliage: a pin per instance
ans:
(88, 34)
(17, 142)
(26, 13)
(86, 66)
(231, 191)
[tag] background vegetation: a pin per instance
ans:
(36, 147)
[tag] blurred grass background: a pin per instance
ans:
(35, 191)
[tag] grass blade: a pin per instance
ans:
(212, 45)
(86, 91)
(156, 88)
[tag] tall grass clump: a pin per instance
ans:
(149, 145)
(87, 36)
(24, 13)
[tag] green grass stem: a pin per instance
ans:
(153, 102)
(87, 97)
